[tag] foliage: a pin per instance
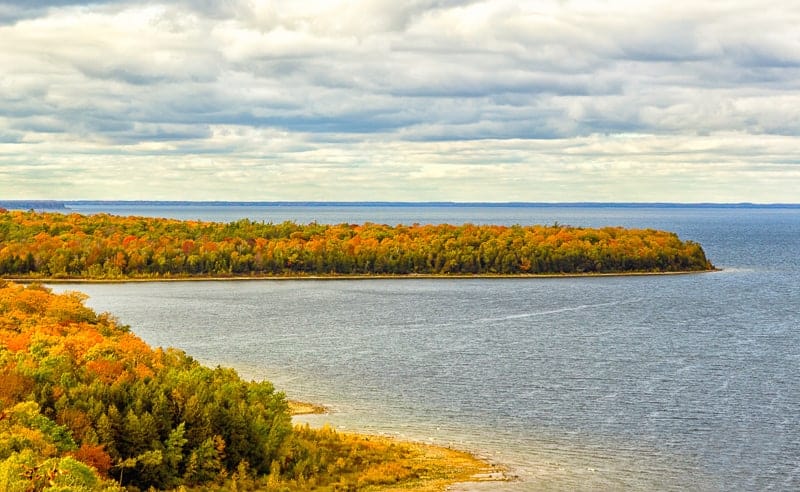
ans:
(77, 384)
(33, 454)
(52, 245)
(85, 405)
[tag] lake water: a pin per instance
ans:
(686, 382)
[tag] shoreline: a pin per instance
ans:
(297, 407)
(423, 276)
(445, 466)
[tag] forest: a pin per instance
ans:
(85, 405)
(54, 245)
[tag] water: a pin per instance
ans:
(633, 383)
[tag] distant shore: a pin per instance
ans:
(240, 278)
(67, 204)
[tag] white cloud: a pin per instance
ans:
(425, 100)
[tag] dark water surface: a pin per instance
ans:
(685, 382)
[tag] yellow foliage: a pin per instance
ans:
(71, 360)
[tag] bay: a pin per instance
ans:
(632, 383)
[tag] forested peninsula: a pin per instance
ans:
(71, 246)
(85, 405)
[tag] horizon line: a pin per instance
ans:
(60, 204)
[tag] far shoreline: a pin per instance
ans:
(245, 278)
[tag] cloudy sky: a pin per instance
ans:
(418, 100)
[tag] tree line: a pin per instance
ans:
(53, 245)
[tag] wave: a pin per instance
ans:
(580, 307)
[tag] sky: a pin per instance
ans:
(387, 100)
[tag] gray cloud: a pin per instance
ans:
(301, 85)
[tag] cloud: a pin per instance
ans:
(268, 95)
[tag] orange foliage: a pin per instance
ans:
(107, 246)
(142, 371)
(94, 456)
(13, 386)
(105, 370)
(80, 341)
(15, 341)
(32, 301)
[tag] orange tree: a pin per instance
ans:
(43, 245)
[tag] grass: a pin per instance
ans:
(305, 408)
(385, 464)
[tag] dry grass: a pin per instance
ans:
(304, 408)
(422, 467)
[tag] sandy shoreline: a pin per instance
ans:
(83, 280)
(458, 465)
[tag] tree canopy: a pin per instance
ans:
(53, 245)
(98, 393)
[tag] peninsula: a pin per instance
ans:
(87, 405)
(37, 245)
